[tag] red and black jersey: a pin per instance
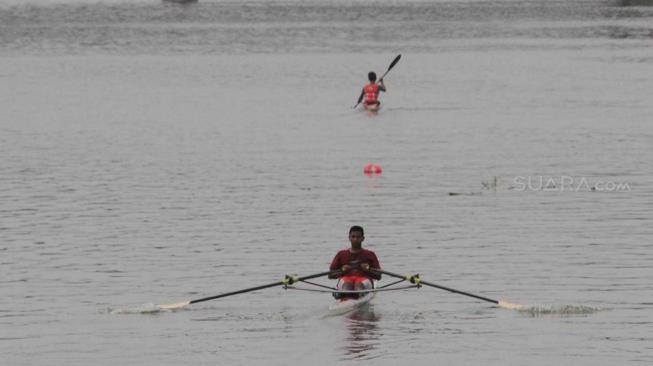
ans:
(346, 256)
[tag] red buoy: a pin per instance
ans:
(372, 169)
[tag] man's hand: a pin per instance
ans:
(382, 86)
(345, 268)
(365, 267)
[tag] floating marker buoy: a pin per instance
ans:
(372, 169)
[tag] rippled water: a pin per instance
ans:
(155, 152)
(227, 27)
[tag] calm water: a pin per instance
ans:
(155, 152)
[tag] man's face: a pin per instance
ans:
(356, 238)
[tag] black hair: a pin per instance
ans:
(372, 76)
(358, 229)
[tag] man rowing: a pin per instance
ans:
(355, 264)
(371, 92)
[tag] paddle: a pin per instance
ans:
(288, 280)
(392, 64)
(418, 281)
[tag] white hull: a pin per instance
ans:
(347, 305)
(344, 306)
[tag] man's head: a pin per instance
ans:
(372, 76)
(356, 237)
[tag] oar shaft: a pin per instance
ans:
(394, 62)
(280, 283)
(384, 74)
(237, 292)
(459, 292)
(440, 287)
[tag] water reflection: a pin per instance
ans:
(373, 182)
(363, 333)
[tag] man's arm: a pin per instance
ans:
(335, 265)
(382, 86)
(360, 98)
(375, 265)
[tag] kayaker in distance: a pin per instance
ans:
(371, 92)
(355, 263)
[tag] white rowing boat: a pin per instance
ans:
(347, 300)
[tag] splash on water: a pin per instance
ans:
(142, 309)
(562, 310)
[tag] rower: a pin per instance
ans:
(355, 263)
(371, 91)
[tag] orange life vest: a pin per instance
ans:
(371, 93)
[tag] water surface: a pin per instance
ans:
(153, 152)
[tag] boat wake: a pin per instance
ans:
(562, 310)
(423, 108)
(142, 309)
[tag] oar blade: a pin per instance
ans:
(509, 305)
(394, 62)
(175, 306)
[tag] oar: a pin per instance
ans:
(418, 281)
(288, 280)
(392, 64)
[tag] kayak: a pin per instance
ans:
(374, 108)
(351, 300)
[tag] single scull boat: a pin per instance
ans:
(346, 301)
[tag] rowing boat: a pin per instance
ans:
(348, 301)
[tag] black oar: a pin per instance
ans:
(288, 280)
(392, 64)
(416, 280)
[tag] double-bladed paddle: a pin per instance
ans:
(392, 64)
(288, 280)
(418, 281)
